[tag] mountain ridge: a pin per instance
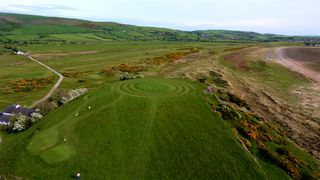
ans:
(22, 24)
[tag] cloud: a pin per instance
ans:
(44, 9)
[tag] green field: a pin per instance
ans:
(162, 126)
(147, 128)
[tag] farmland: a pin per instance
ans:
(203, 109)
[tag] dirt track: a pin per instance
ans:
(53, 88)
(297, 65)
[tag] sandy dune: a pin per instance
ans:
(297, 66)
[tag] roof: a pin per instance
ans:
(15, 109)
(5, 118)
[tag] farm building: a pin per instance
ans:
(5, 118)
(6, 115)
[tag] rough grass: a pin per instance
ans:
(13, 68)
(167, 133)
(267, 74)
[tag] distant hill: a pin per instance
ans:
(36, 29)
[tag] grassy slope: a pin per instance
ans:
(129, 135)
(18, 24)
(267, 75)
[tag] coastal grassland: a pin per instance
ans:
(70, 58)
(257, 67)
(145, 128)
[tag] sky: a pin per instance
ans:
(287, 17)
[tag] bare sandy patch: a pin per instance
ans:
(297, 65)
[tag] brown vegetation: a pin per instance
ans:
(235, 49)
(284, 162)
(212, 52)
(256, 135)
(28, 85)
(238, 60)
(110, 70)
(72, 74)
(175, 56)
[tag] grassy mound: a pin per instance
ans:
(145, 128)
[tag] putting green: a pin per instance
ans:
(153, 87)
(57, 154)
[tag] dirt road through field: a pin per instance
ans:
(53, 88)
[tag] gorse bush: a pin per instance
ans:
(175, 56)
(111, 70)
(27, 85)
(72, 74)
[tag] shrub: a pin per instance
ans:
(59, 96)
(19, 122)
(72, 74)
(234, 99)
(47, 107)
(27, 85)
(228, 113)
(246, 143)
(174, 56)
(282, 162)
(35, 117)
(290, 168)
(111, 70)
(268, 155)
(73, 94)
(128, 76)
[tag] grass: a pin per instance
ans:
(14, 68)
(48, 29)
(57, 154)
(27, 24)
(131, 133)
(268, 75)
(152, 128)
(280, 77)
(113, 53)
